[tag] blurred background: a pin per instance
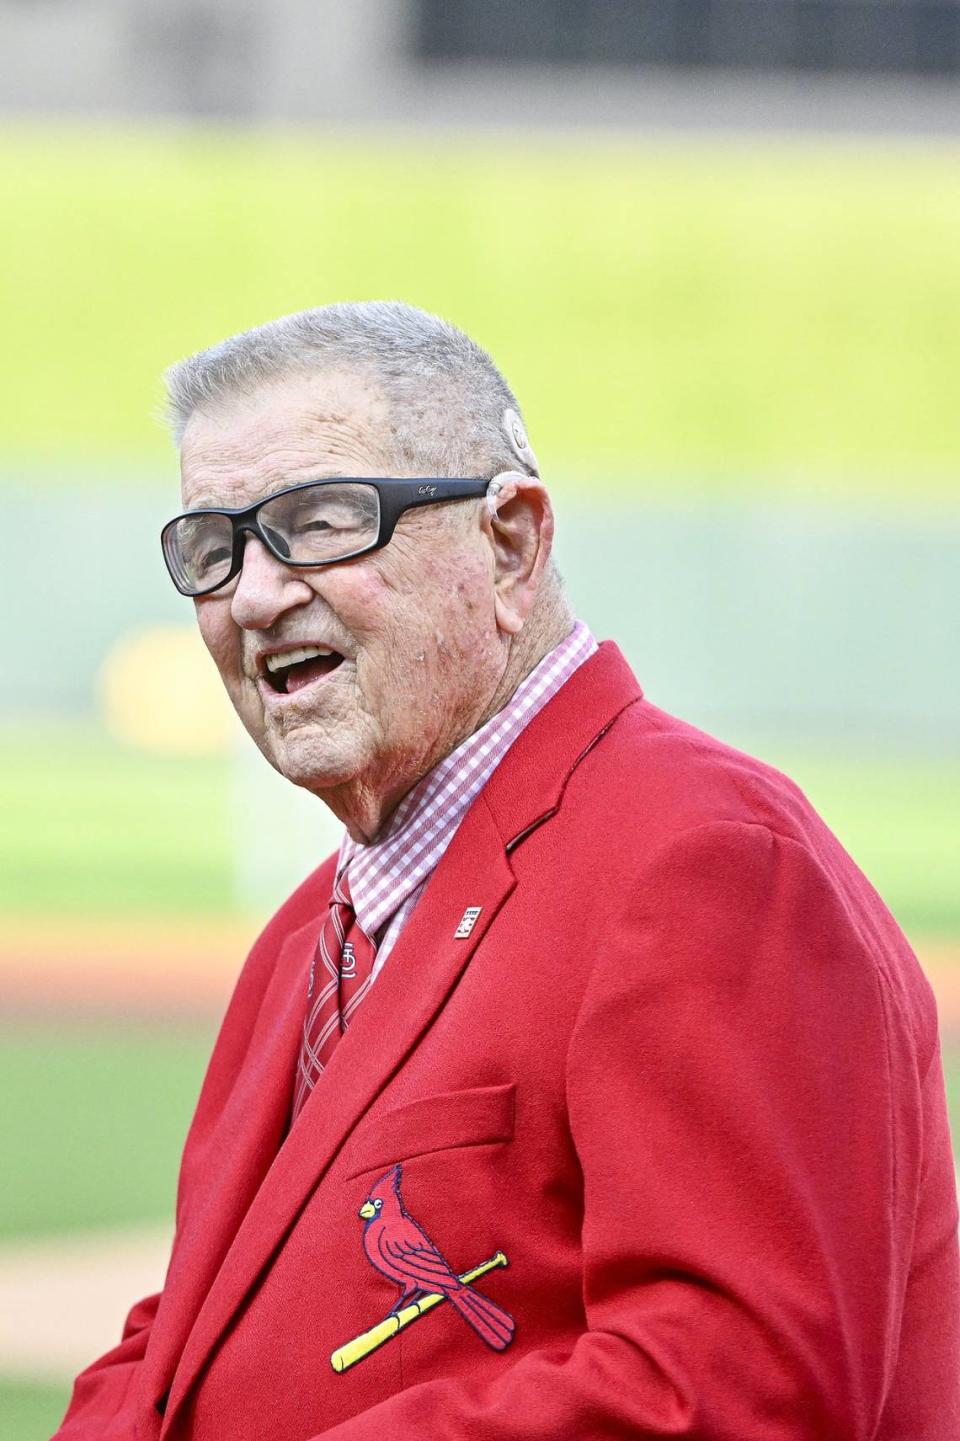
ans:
(714, 246)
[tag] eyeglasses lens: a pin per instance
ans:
(322, 523)
(199, 549)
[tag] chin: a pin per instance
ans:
(311, 761)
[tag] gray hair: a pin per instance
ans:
(447, 397)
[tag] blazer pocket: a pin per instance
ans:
(477, 1117)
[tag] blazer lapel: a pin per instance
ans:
(427, 961)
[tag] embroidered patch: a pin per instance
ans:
(399, 1248)
(467, 922)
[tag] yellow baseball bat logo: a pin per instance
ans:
(353, 1351)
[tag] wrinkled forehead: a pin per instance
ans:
(300, 428)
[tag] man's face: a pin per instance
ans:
(416, 652)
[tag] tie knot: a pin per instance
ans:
(341, 889)
(349, 922)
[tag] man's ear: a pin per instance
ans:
(518, 519)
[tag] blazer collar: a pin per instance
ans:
(424, 966)
(528, 785)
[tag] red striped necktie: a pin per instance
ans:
(340, 976)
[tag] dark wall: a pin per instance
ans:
(917, 37)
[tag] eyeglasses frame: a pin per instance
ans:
(395, 495)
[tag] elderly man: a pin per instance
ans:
(590, 1091)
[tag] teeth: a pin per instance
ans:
(282, 658)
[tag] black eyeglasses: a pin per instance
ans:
(316, 523)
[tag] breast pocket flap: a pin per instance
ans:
(477, 1117)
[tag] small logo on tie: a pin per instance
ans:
(467, 922)
(348, 962)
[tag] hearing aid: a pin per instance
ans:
(516, 435)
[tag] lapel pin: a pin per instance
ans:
(467, 922)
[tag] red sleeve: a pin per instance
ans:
(744, 1093)
(925, 1396)
(99, 1409)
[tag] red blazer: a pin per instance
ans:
(683, 1072)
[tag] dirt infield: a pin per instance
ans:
(144, 966)
(159, 966)
(63, 1299)
(941, 962)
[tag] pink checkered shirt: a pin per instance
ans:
(388, 878)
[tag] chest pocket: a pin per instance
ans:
(477, 1117)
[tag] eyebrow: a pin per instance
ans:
(207, 504)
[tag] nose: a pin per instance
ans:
(265, 588)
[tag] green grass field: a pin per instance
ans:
(111, 1155)
(753, 317)
(95, 828)
(30, 1410)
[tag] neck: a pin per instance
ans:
(365, 808)
(542, 633)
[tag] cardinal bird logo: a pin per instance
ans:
(400, 1249)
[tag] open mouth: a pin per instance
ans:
(288, 671)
